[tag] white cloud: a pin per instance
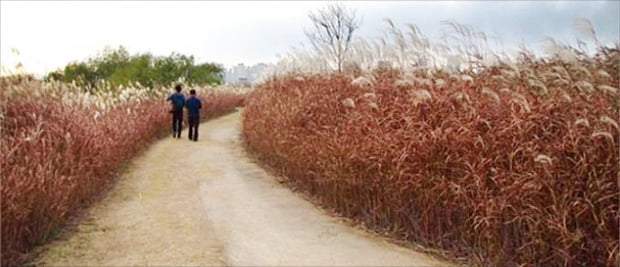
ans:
(51, 34)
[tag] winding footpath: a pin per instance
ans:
(206, 203)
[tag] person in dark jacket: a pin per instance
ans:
(193, 106)
(178, 101)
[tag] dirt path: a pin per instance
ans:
(214, 208)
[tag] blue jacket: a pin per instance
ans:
(178, 101)
(193, 106)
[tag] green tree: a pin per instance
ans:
(81, 73)
(206, 73)
(117, 67)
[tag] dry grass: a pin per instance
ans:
(511, 165)
(62, 145)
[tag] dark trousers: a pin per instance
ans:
(177, 123)
(193, 122)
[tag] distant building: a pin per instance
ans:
(244, 75)
(243, 81)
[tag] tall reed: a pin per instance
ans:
(61, 146)
(513, 164)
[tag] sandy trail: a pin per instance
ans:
(205, 203)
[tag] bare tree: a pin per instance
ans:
(333, 32)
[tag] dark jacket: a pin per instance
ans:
(178, 101)
(193, 106)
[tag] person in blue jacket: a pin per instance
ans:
(193, 106)
(178, 101)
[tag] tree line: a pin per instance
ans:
(117, 67)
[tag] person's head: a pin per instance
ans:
(178, 88)
(192, 92)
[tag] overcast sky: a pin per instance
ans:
(50, 34)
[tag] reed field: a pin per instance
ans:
(504, 162)
(61, 145)
(451, 145)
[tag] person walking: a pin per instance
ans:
(193, 106)
(178, 101)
